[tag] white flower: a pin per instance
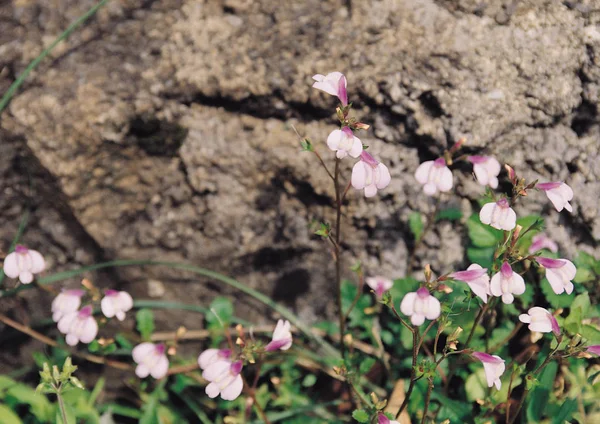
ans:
(225, 379)
(540, 320)
(435, 176)
(559, 273)
(559, 194)
(507, 283)
(116, 303)
(210, 356)
(379, 284)
(486, 169)
(66, 302)
(151, 360)
(23, 263)
(344, 143)
(420, 305)
(79, 326)
(333, 83)
(541, 241)
(477, 279)
(493, 366)
(370, 175)
(282, 337)
(499, 215)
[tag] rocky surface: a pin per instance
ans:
(165, 130)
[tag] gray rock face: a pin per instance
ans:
(166, 130)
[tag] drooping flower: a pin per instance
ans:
(507, 283)
(493, 365)
(541, 241)
(559, 194)
(151, 359)
(420, 305)
(477, 279)
(559, 273)
(333, 83)
(595, 349)
(499, 215)
(79, 326)
(66, 302)
(435, 176)
(116, 303)
(486, 169)
(370, 175)
(23, 263)
(211, 356)
(379, 284)
(382, 419)
(282, 337)
(540, 320)
(344, 143)
(225, 379)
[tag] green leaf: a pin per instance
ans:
(450, 214)
(582, 301)
(145, 323)
(538, 399)
(453, 410)
(482, 235)
(221, 312)
(481, 256)
(565, 412)
(476, 386)
(7, 416)
(556, 300)
(415, 223)
(309, 380)
(360, 415)
(39, 405)
(366, 365)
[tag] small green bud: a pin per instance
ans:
(75, 382)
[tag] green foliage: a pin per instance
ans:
(540, 396)
(482, 235)
(449, 214)
(415, 223)
(145, 323)
(361, 416)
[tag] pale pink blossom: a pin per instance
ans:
(116, 303)
(477, 279)
(333, 83)
(435, 176)
(370, 175)
(23, 263)
(211, 356)
(486, 169)
(507, 283)
(540, 320)
(559, 273)
(595, 349)
(382, 419)
(66, 302)
(420, 305)
(282, 337)
(79, 326)
(493, 366)
(151, 359)
(379, 284)
(344, 143)
(559, 194)
(498, 215)
(225, 379)
(541, 241)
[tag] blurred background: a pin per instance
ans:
(165, 130)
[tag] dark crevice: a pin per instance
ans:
(156, 137)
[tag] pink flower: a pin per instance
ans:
(507, 283)
(79, 326)
(559, 273)
(499, 215)
(477, 279)
(540, 320)
(559, 194)
(151, 359)
(486, 169)
(344, 143)
(225, 379)
(379, 285)
(116, 303)
(434, 175)
(420, 305)
(23, 263)
(370, 175)
(382, 419)
(211, 356)
(493, 366)
(595, 349)
(540, 241)
(334, 84)
(282, 337)
(66, 302)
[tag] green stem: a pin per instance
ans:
(20, 231)
(338, 261)
(411, 386)
(61, 405)
(427, 400)
(35, 62)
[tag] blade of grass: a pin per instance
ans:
(35, 62)
(20, 230)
